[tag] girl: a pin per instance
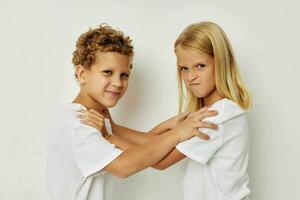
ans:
(78, 155)
(217, 168)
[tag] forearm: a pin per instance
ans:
(159, 129)
(142, 156)
(170, 159)
(119, 142)
(130, 135)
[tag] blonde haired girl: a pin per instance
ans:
(217, 168)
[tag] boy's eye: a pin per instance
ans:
(124, 75)
(200, 66)
(107, 72)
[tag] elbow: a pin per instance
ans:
(159, 166)
(125, 172)
(121, 174)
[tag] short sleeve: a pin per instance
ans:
(202, 150)
(91, 151)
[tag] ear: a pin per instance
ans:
(81, 74)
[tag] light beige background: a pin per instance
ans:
(37, 39)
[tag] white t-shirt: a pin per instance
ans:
(217, 168)
(76, 157)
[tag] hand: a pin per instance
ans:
(174, 121)
(189, 127)
(92, 118)
(107, 115)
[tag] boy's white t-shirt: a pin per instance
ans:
(77, 154)
(217, 168)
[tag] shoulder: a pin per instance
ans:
(66, 114)
(68, 110)
(227, 110)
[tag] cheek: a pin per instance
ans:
(211, 79)
(125, 85)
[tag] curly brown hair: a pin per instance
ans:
(102, 38)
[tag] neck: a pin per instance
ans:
(213, 97)
(88, 102)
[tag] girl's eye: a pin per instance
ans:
(107, 72)
(200, 66)
(124, 75)
(183, 68)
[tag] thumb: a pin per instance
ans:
(183, 115)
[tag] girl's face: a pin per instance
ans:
(107, 79)
(198, 73)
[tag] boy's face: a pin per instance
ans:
(107, 79)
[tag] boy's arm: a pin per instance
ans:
(173, 157)
(119, 142)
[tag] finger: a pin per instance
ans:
(201, 110)
(98, 122)
(208, 113)
(82, 111)
(201, 135)
(89, 123)
(209, 125)
(201, 124)
(96, 113)
(90, 114)
(183, 115)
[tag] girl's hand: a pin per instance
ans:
(92, 118)
(189, 127)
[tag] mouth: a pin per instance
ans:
(113, 93)
(194, 84)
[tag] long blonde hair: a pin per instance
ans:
(209, 38)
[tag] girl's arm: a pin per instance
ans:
(130, 135)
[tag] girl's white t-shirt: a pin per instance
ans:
(77, 154)
(217, 168)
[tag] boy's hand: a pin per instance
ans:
(189, 127)
(174, 121)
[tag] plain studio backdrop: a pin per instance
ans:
(37, 39)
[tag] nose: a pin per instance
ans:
(191, 76)
(117, 82)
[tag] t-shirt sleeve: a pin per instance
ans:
(91, 151)
(202, 150)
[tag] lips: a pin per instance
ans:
(113, 93)
(195, 84)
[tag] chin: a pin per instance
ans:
(110, 104)
(199, 95)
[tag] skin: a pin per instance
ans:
(101, 86)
